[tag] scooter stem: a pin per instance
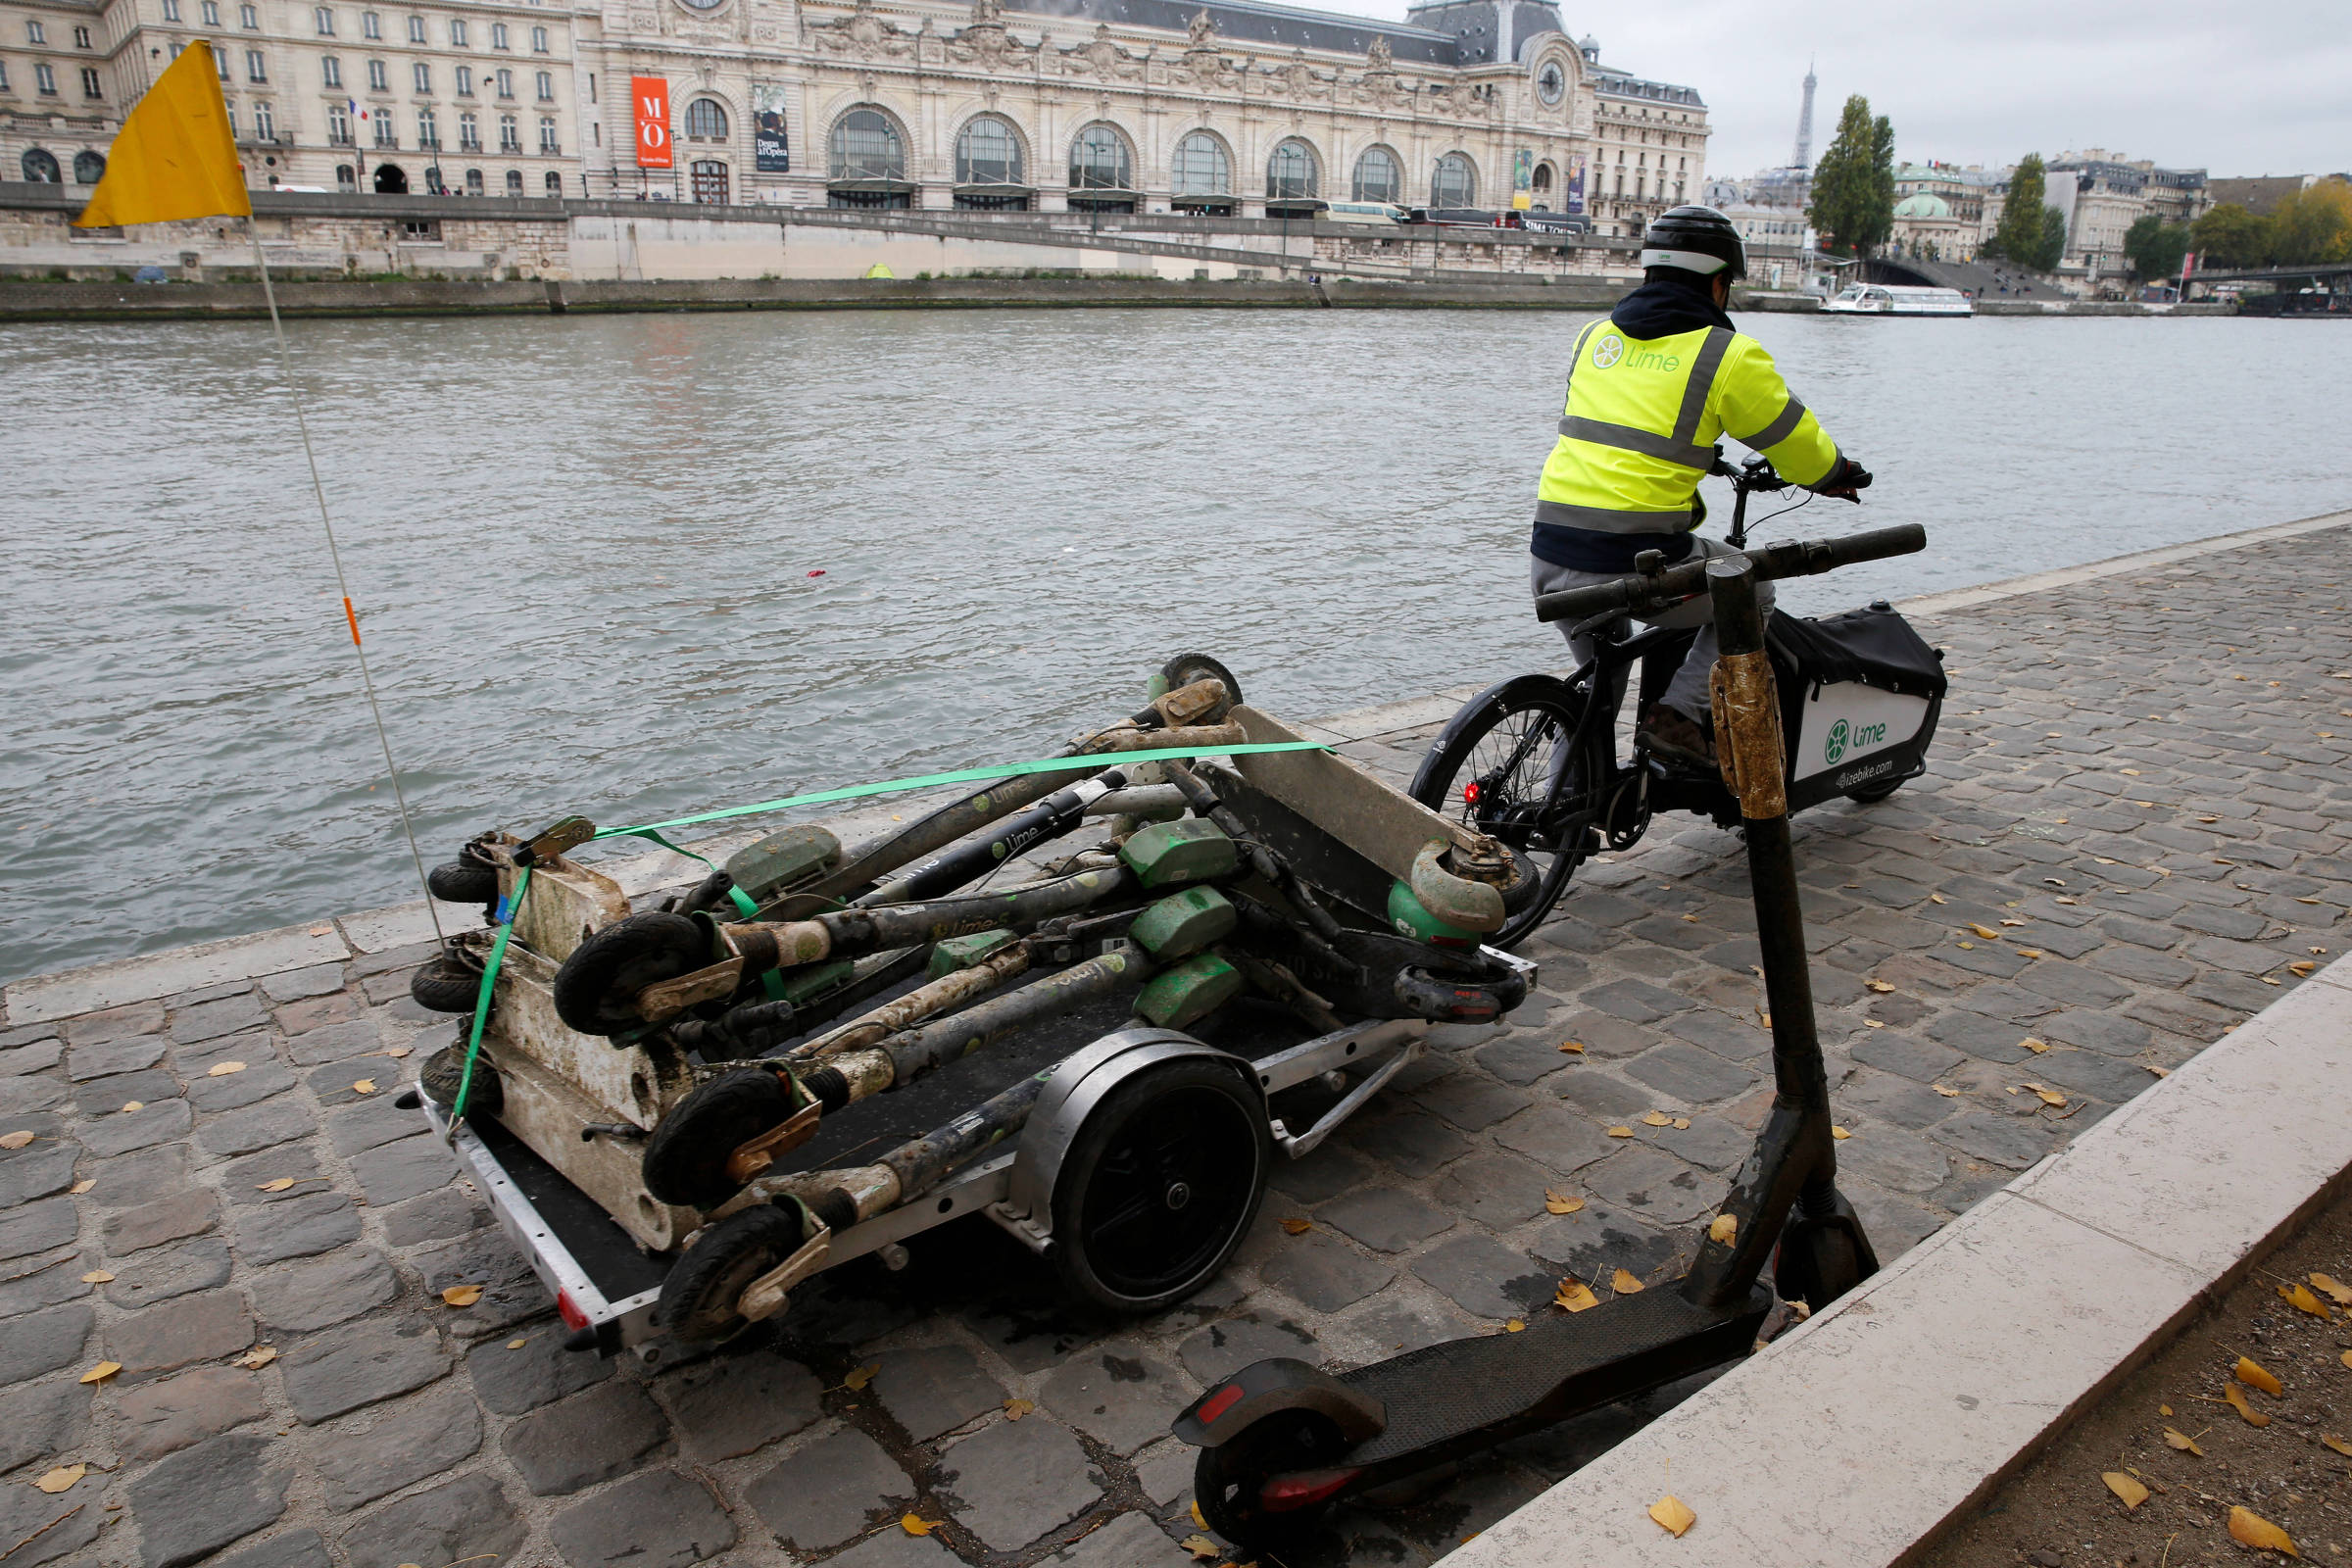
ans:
(1794, 1156)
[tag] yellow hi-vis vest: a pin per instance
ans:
(1642, 417)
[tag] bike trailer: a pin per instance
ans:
(1860, 694)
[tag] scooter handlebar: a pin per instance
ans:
(1790, 558)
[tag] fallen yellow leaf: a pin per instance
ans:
(1984, 931)
(1673, 1515)
(1561, 1202)
(914, 1526)
(1872, 1023)
(2302, 1301)
(363, 1086)
(1575, 1295)
(15, 1140)
(2251, 1529)
(1725, 1228)
(1297, 1226)
(82, 1186)
(1971, 946)
(2161, 1072)
(2029, 953)
(862, 1376)
(2336, 1442)
(1201, 1548)
(1682, 1123)
(2338, 1292)
(1946, 1091)
(221, 1069)
(1937, 897)
(2182, 1441)
(2012, 922)
(1880, 985)
(62, 1478)
(1621, 1132)
(2050, 1096)
(1196, 1519)
(2038, 1047)
(1656, 1118)
(102, 1371)
(2164, 1409)
(397, 1052)
(277, 1186)
(129, 1105)
(1572, 1046)
(1624, 1283)
(461, 1294)
(97, 1276)
(2125, 1488)
(2347, 1358)
(2253, 1376)
(1840, 1134)
(259, 1356)
(2236, 1397)
(517, 1344)
(1517, 1325)
(1014, 1409)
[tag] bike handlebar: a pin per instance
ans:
(1790, 558)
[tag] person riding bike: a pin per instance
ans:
(1651, 390)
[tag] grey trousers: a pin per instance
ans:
(1688, 692)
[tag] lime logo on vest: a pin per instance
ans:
(1608, 351)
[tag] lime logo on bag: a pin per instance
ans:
(1835, 747)
(1843, 738)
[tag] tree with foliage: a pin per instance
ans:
(2052, 248)
(2228, 235)
(2018, 237)
(2156, 247)
(1854, 184)
(2314, 225)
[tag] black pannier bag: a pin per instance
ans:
(1860, 694)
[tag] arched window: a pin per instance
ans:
(554, 184)
(1292, 172)
(514, 182)
(1454, 184)
(1200, 167)
(988, 152)
(473, 183)
(1542, 180)
(346, 177)
(1099, 160)
(89, 168)
(865, 145)
(710, 179)
(705, 121)
(40, 167)
(1379, 177)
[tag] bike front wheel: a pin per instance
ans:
(1492, 767)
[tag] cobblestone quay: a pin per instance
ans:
(2134, 835)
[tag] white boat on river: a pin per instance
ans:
(1896, 298)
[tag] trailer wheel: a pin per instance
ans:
(1160, 1185)
(1185, 668)
(1871, 794)
(699, 1293)
(1229, 1480)
(596, 989)
(686, 1157)
(445, 1069)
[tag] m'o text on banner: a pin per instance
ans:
(649, 95)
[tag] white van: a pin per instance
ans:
(1364, 213)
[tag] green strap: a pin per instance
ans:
(772, 982)
(481, 1000)
(964, 775)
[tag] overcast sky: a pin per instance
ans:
(2239, 87)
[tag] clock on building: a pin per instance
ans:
(702, 5)
(1550, 82)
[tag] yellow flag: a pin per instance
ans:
(176, 157)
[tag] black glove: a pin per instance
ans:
(1847, 476)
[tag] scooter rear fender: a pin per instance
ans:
(1266, 1388)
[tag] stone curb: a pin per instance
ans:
(1856, 1440)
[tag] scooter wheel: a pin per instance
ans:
(1160, 1185)
(450, 981)
(1228, 1481)
(596, 989)
(444, 1071)
(686, 1157)
(1185, 668)
(699, 1295)
(463, 882)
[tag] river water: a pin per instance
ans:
(586, 551)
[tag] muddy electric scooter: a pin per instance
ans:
(1533, 762)
(1281, 1442)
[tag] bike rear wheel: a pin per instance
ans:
(1490, 769)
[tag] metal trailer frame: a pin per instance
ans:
(1013, 1189)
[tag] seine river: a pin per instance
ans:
(641, 565)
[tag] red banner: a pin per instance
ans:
(650, 97)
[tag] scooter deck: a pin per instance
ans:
(1478, 1391)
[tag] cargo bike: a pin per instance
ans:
(1092, 1002)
